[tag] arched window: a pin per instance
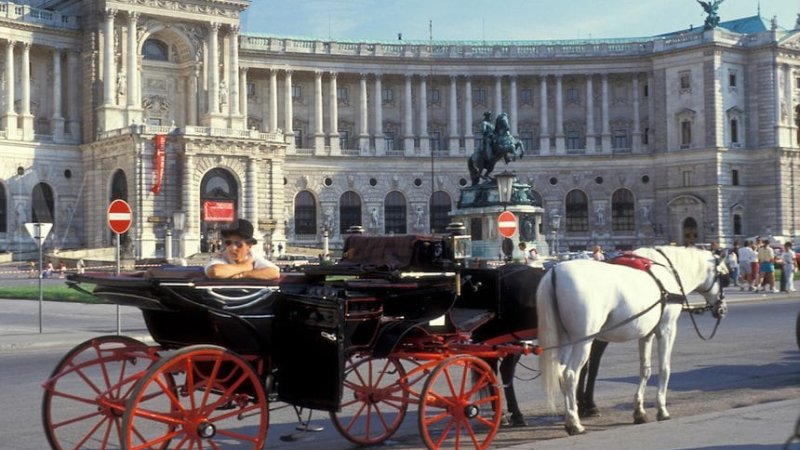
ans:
(219, 205)
(43, 205)
(349, 211)
(305, 214)
(622, 211)
(394, 212)
(734, 131)
(441, 204)
(119, 186)
(155, 50)
(577, 209)
(3, 209)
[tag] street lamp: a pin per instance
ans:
(555, 224)
(505, 187)
(178, 223)
(325, 236)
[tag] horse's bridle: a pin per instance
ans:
(719, 309)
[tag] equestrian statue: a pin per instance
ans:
(496, 142)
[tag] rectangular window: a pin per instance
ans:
(251, 90)
(297, 92)
(341, 94)
(388, 139)
(732, 79)
(686, 177)
(797, 83)
(526, 96)
(620, 139)
(573, 139)
(298, 138)
(686, 80)
(476, 228)
(433, 96)
(344, 139)
(686, 134)
(527, 140)
(572, 95)
(646, 90)
(387, 95)
(479, 96)
(735, 177)
(734, 131)
(435, 139)
(646, 136)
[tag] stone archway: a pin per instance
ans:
(219, 205)
(689, 231)
(686, 212)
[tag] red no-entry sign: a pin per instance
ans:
(507, 224)
(119, 216)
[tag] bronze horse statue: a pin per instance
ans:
(497, 142)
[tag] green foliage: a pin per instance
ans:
(58, 293)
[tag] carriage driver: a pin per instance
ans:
(236, 259)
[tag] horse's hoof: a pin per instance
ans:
(639, 419)
(589, 412)
(517, 421)
(573, 430)
(663, 416)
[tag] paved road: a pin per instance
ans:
(728, 393)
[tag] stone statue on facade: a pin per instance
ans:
(711, 8)
(496, 143)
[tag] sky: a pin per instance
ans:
(382, 20)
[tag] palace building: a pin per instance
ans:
(690, 136)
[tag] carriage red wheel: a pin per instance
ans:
(374, 402)
(461, 405)
(219, 403)
(85, 396)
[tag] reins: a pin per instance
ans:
(718, 309)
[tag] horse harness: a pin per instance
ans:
(636, 262)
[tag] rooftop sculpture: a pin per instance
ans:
(711, 8)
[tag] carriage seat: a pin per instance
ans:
(393, 252)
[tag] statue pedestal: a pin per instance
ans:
(478, 209)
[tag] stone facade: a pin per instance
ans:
(685, 137)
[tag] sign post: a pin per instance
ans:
(39, 232)
(120, 218)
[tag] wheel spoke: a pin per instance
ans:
(239, 436)
(91, 432)
(166, 438)
(75, 419)
(209, 381)
(438, 417)
(154, 416)
(445, 432)
(233, 413)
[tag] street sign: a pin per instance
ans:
(119, 216)
(507, 224)
(38, 231)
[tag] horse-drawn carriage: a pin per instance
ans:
(396, 323)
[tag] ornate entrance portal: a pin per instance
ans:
(219, 206)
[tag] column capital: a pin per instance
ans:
(378, 76)
(243, 69)
(318, 74)
(214, 27)
(57, 51)
(110, 13)
(333, 75)
(26, 47)
(233, 29)
(364, 76)
(453, 78)
(134, 16)
(11, 43)
(288, 72)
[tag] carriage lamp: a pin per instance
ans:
(505, 186)
(325, 243)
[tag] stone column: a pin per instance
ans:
(57, 121)
(469, 139)
(213, 69)
(288, 114)
(73, 95)
(513, 109)
(243, 95)
(636, 134)
(233, 48)
(132, 94)
(544, 130)
(453, 140)
(560, 147)
(408, 123)
(606, 133)
(424, 142)
(191, 101)
(319, 127)
(333, 98)
(590, 133)
(498, 95)
(109, 69)
(380, 140)
(25, 77)
(252, 191)
(190, 238)
(651, 111)
(788, 79)
(273, 100)
(363, 135)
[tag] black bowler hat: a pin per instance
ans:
(240, 227)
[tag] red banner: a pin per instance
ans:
(158, 161)
(214, 211)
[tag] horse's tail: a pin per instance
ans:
(548, 332)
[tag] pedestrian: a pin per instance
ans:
(745, 268)
(522, 248)
(732, 261)
(280, 249)
(62, 269)
(80, 266)
(766, 267)
(597, 253)
(48, 270)
(31, 269)
(533, 256)
(789, 266)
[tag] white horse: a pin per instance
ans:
(580, 299)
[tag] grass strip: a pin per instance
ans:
(58, 293)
